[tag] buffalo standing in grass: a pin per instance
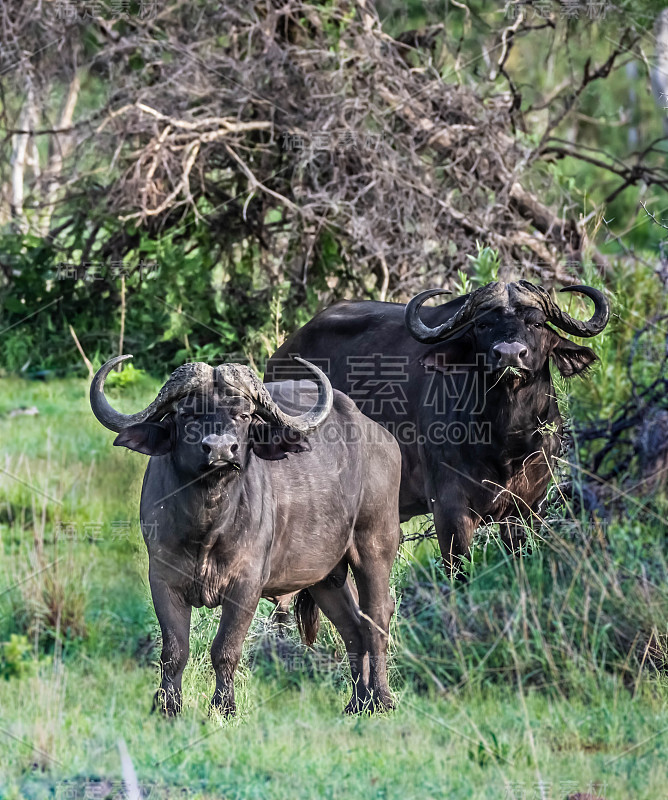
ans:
(466, 389)
(237, 504)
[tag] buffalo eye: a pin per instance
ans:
(538, 324)
(481, 326)
(244, 417)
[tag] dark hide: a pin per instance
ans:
(234, 509)
(475, 415)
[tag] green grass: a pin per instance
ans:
(295, 742)
(545, 670)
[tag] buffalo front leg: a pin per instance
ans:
(513, 533)
(235, 619)
(174, 618)
(455, 528)
(514, 530)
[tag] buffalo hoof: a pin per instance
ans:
(167, 704)
(370, 704)
(227, 708)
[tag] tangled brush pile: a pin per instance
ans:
(305, 133)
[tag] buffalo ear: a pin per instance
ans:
(446, 355)
(273, 442)
(572, 359)
(150, 438)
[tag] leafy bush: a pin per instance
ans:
(128, 376)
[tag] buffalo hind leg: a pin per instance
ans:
(371, 558)
(340, 607)
(281, 614)
(376, 608)
(375, 544)
(174, 618)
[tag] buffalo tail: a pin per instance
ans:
(307, 616)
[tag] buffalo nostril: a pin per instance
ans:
(234, 448)
(206, 448)
(510, 352)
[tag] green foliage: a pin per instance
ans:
(179, 306)
(128, 376)
(637, 297)
(19, 349)
(484, 265)
(463, 284)
(16, 659)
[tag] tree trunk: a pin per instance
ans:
(20, 142)
(659, 71)
(60, 147)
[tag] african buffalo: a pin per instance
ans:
(243, 499)
(464, 387)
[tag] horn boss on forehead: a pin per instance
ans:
(244, 380)
(198, 377)
(499, 294)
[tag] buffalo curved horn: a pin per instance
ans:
(185, 379)
(417, 329)
(423, 333)
(575, 327)
(246, 381)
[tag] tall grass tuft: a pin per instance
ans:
(573, 609)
